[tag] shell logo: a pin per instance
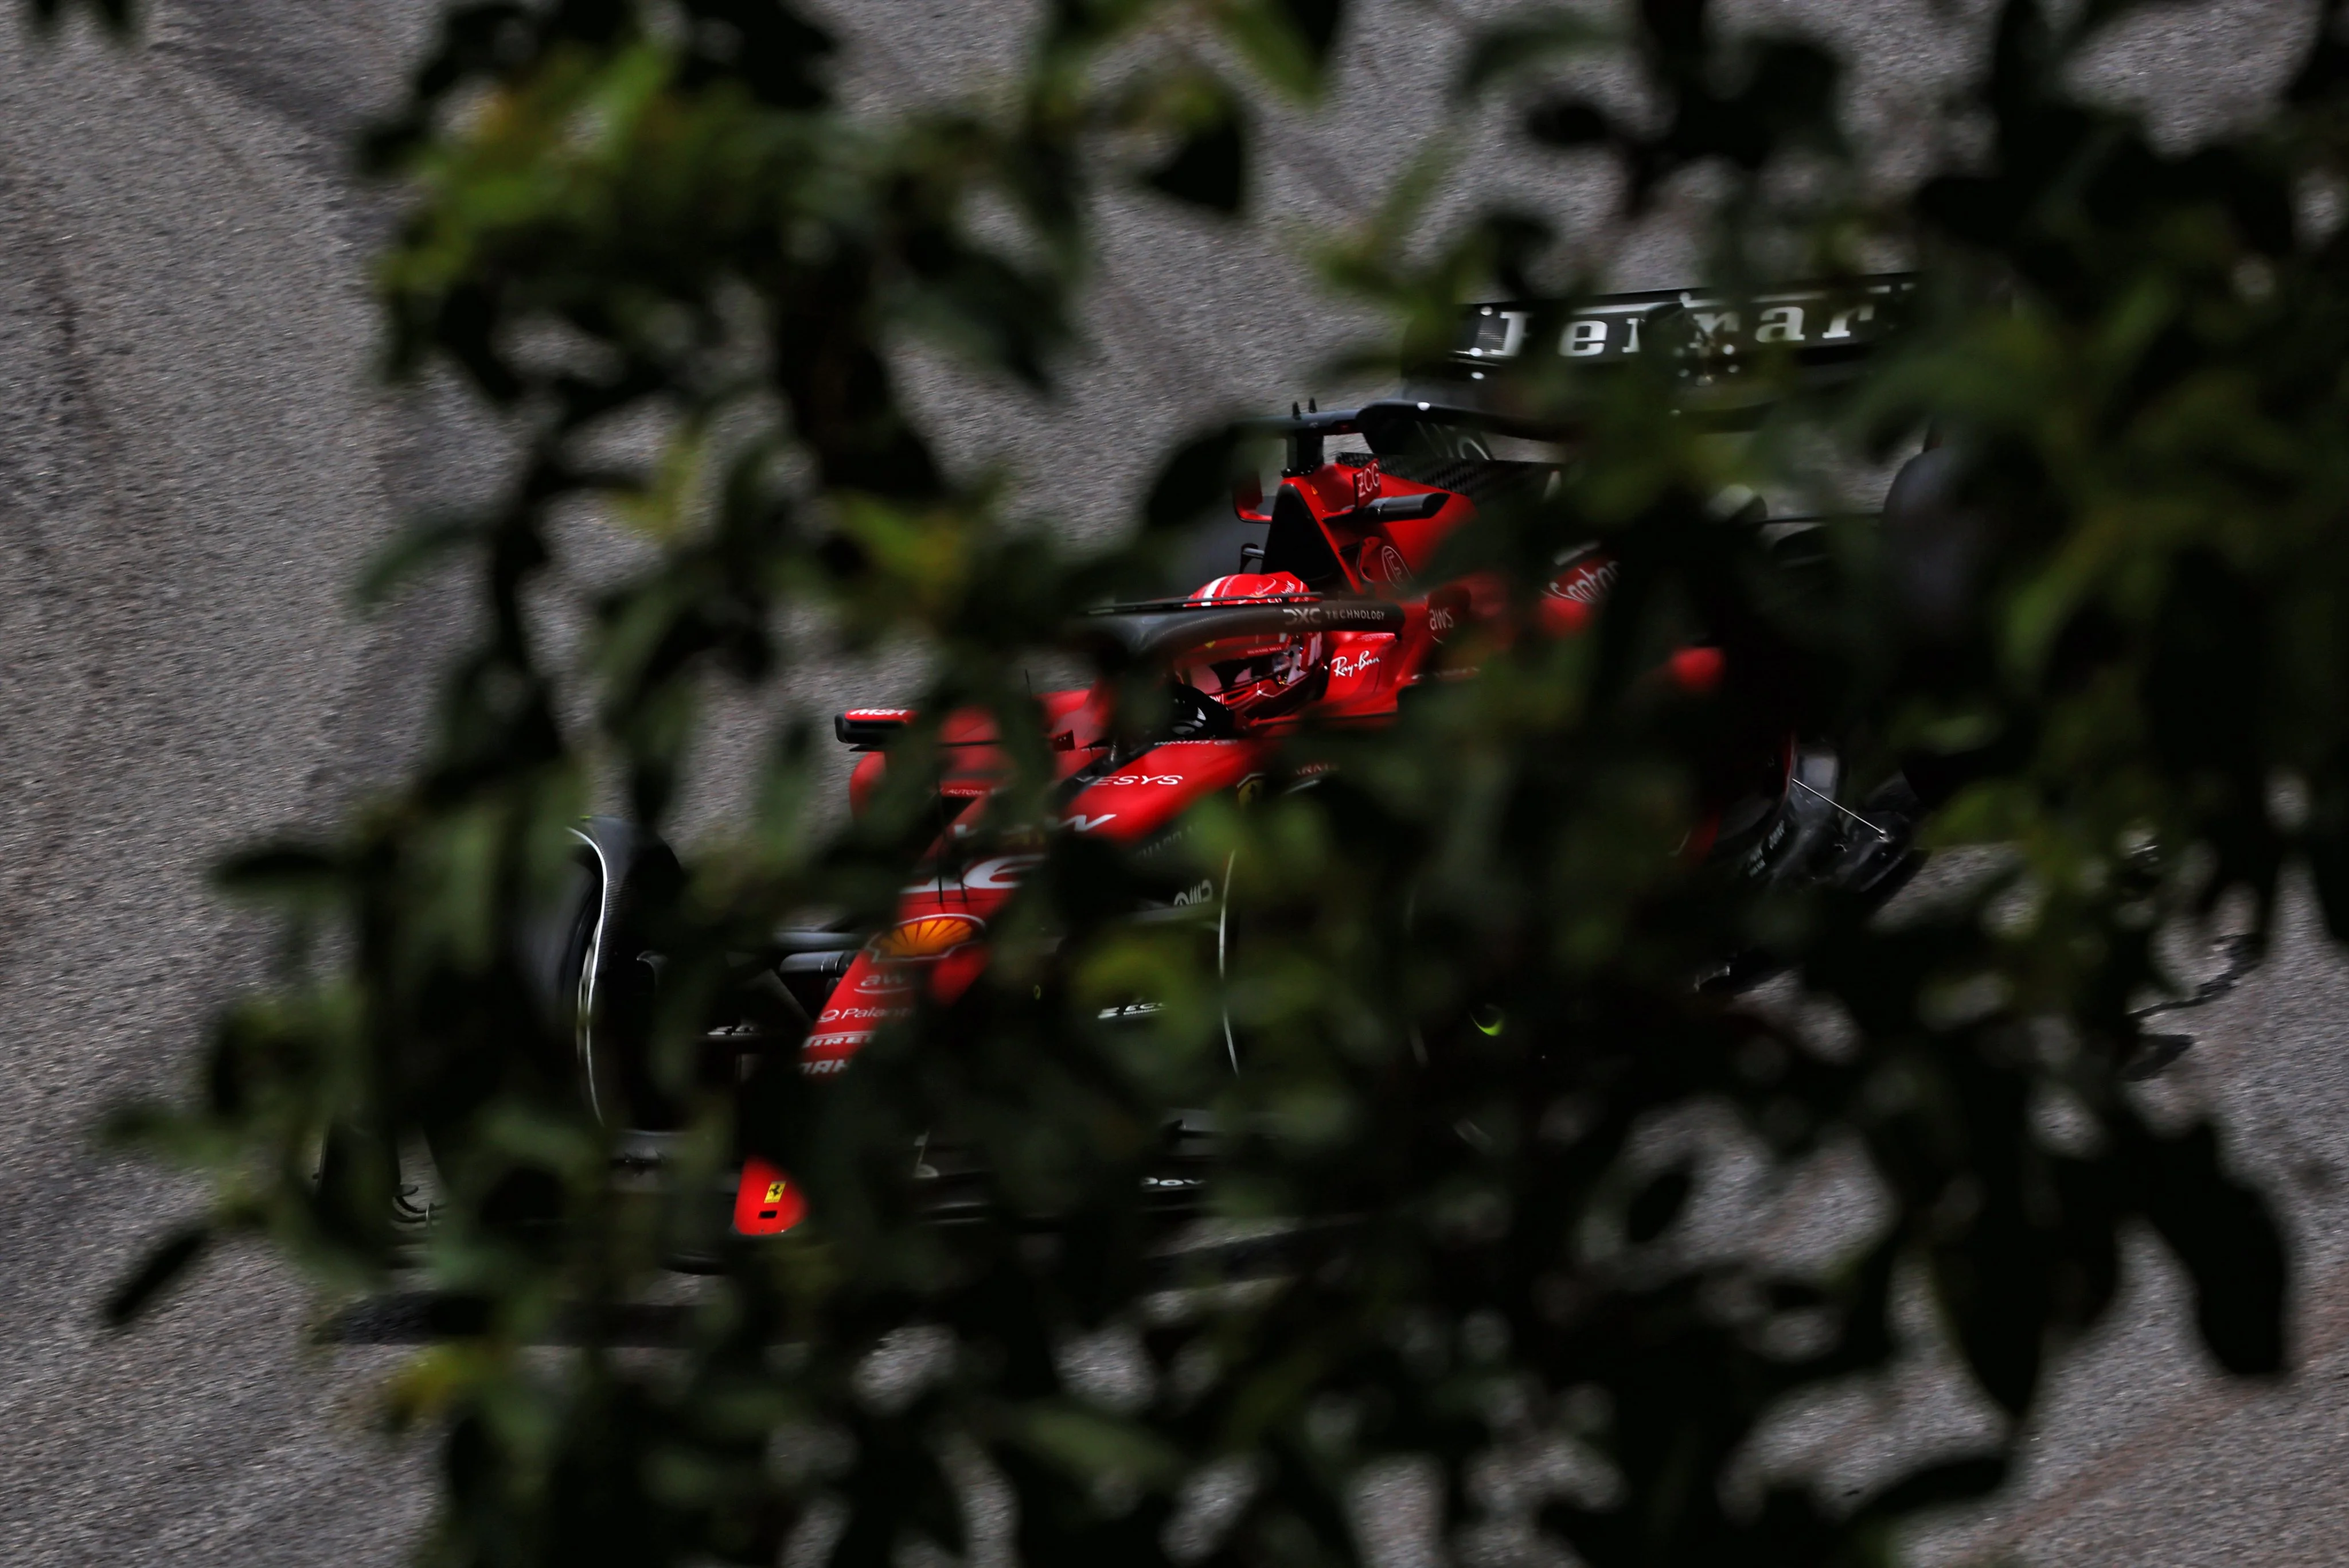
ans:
(927, 937)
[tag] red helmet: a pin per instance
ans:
(1258, 677)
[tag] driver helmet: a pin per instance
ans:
(1262, 676)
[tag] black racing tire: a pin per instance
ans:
(596, 973)
(1227, 938)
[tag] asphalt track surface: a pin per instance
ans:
(194, 460)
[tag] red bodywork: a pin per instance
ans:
(939, 941)
(766, 1201)
(1356, 676)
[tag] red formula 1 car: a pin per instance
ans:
(1331, 621)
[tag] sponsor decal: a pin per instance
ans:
(997, 875)
(1314, 617)
(1587, 580)
(851, 1015)
(894, 962)
(1382, 563)
(1367, 483)
(1087, 824)
(879, 714)
(826, 1055)
(1140, 779)
(1251, 788)
(1446, 611)
(1693, 325)
(1201, 892)
(927, 937)
(1343, 666)
(1001, 873)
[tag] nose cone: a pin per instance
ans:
(766, 1201)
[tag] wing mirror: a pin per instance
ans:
(1403, 508)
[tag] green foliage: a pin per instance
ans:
(1465, 987)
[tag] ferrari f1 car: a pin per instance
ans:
(1330, 620)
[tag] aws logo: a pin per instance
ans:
(1447, 610)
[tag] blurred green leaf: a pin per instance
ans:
(1532, 40)
(1657, 1204)
(1209, 167)
(1288, 42)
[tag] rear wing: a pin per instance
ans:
(1710, 340)
(1711, 335)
